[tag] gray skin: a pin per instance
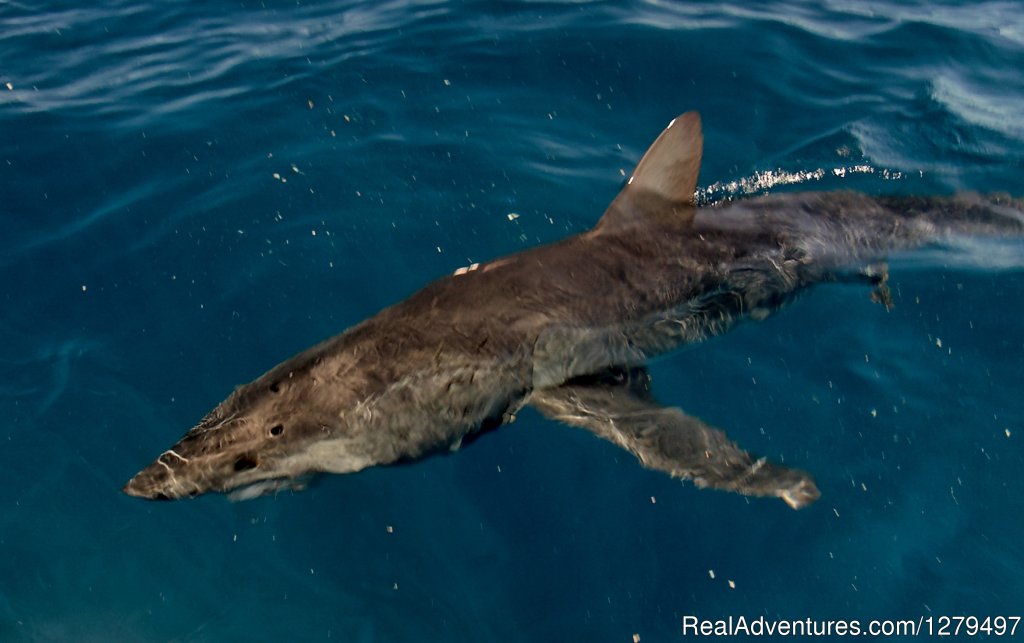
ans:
(566, 328)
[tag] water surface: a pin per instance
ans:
(194, 193)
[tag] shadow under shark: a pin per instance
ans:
(567, 328)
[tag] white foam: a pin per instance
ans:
(761, 182)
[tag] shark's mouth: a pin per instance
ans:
(267, 487)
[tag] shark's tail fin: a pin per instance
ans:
(968, 213)
(968, 230)
(843, 229)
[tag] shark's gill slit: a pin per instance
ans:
(245, 462)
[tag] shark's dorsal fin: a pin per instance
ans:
(665, 178)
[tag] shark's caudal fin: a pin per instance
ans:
(665, 178)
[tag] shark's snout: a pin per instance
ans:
(203, 462)
(155, 482)
(137, 491)
(169, 477)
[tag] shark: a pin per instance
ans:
(568, 329)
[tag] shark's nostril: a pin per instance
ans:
(245, 462)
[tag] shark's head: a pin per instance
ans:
(251, 443)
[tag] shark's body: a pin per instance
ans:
(566, 328)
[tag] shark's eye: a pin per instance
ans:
(245, 462)
(277, 429)
(275, 387)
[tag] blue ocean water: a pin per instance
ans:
(194, 192)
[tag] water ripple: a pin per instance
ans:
(146, 63)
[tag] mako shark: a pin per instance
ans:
(567, 328)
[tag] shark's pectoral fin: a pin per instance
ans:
(664, 180)
(619, 407)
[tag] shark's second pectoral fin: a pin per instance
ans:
(618, 406)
